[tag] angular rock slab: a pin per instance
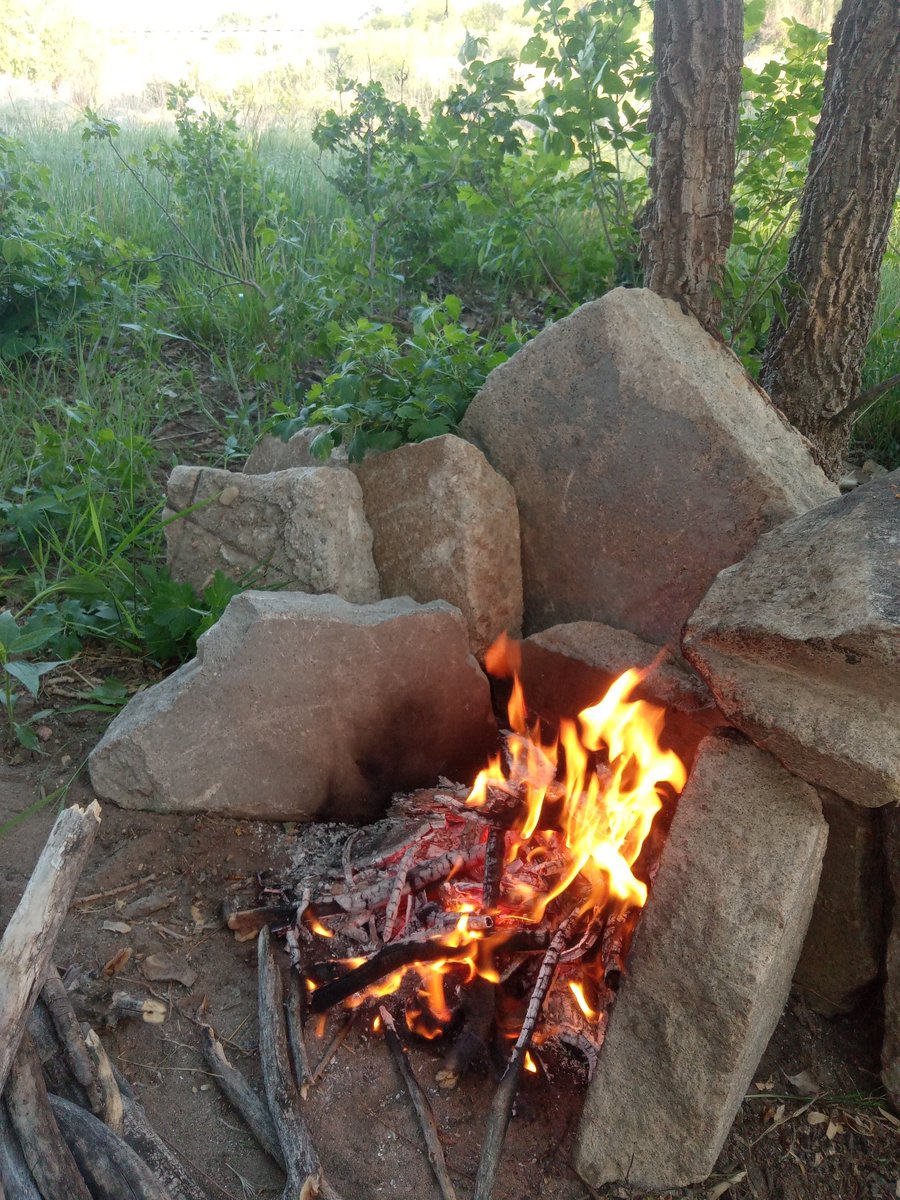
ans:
(272, 454)
(800, 644)
(644, 461)
(301, 528)
(446, 527)
(299, 706)
(709, 972)
(844, 949)
(567, 667)
(890, 1052)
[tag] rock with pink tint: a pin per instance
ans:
(300, 706)
(446, 527)
(709, 972)
(644, 460)
(302, 528)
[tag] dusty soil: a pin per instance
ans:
(842, 1145)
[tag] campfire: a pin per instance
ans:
(503, 911)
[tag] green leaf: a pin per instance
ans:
(29, 674)
(26, 737)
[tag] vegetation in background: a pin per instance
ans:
(172, 293)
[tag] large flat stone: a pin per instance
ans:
(709, 972)
(800, 644)
(890, 1054)
(843, 953)
(299, 706)
(446, 527)
(644, 461)
(302, 528)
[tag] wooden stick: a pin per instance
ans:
(246, 923)
(333, 1046)
(110, 892)
(68, 1031)
(27, 945)
(109, 1165)
(295, 1009)
(111, 1110)
(240, 1095)
(300, 1159)
(56, 1070)
(421, 1105)
(15, 1177)
(393, 904)
(49, 1159)
(494, 853)
(156, 1153)
(501, 1107)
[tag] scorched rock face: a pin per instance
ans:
(503, 910)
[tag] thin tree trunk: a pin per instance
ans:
(698, 49)
(812, 367)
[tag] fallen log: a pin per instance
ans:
(423, 1111)
(48, 1157)
(68, 1032)
(30, 937)
(110, 1167)
(15, 1178)
(240, 1095)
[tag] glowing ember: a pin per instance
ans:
(564, 821)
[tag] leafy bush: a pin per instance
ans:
(385, 392)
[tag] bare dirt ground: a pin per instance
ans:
(842, 1145)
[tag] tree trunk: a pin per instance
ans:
(812, 367)
(698, 49)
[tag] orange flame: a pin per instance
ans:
(582, 805)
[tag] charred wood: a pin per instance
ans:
(422, 1108)
(504, 1097)
(112, 1170)
(16, 1179)
(68, 1031)
(473, 1039)
(49, 1159)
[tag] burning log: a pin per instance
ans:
(49, 1159)
(504, 1097)
(397, 955)
(479, 1004)
(422, 1108)
(110, 1167)
(240, 1095)
(30, 936)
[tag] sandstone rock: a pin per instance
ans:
(844, 947)
(303, 528)
(643, 459)
(890, 1054)
(567, 667)
(800, 643)
(446, 527)
(298, 706)
(709, 972)
(272, 454)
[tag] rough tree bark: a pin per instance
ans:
(812, 366)
(698, 49)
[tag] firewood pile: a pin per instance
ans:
(497, 918)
